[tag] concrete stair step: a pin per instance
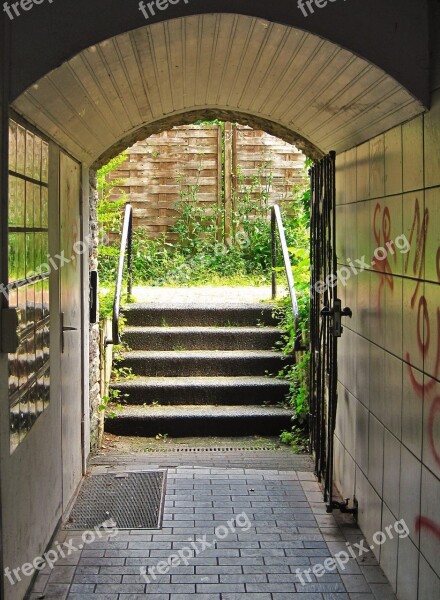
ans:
(201, 338)
(200, 371)
(188, 420)
(203, 390)
(146, 315)
(204, 363)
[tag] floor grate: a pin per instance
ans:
(132, 500)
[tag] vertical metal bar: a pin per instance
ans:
(313, 332)
(4, 166)
(274, 252)
(130, 256)
(334, 366)
(220, 179)
(229, 133)
(329, 357)
(322, 325)
(4, 155)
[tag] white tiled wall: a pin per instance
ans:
(388, 429)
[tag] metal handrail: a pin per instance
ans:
(126, 252)
(277, 225)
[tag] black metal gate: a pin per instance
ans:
(325, 326)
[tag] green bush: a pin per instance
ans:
(298, 375)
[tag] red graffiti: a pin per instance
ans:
(382, 236)
(425, 523)
(414, 267)
(417, 241)
(437, 264)
(419, 231)
(424, 328)
(435, 409)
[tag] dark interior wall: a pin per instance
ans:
(394, 34)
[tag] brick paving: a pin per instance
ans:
(272, 522)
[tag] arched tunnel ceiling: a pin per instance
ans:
(305, 89)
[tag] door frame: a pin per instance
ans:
(85, 234)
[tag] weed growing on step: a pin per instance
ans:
(297, 439)
(114, 401)
(112, 404)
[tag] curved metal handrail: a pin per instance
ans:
(277, 225)
(126, 252)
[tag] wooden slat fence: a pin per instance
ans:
(194, 155)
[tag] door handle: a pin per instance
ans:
(336, 313)
(65, 328)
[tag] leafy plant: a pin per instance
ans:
(298, 375)
(106, 300)
(251, 215)
(109, 211)
(112, 404)
(296, 438)
(109, 217)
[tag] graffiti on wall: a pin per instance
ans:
(382, 235)
(427, 349)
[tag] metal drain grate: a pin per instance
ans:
(129, 500)
(220, 449)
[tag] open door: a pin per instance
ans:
(70, 306)
(326, 323)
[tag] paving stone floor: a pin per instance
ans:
(272, 522)
(205, 294)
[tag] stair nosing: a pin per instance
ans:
(192, 410)
(204, 353)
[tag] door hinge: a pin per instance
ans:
(9, 336)
(64, 330)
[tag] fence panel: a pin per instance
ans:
(277, 164)
(151, 172)
(222, 164)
